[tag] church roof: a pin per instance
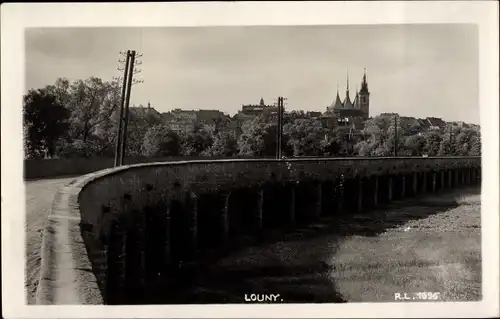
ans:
(356, 101)
(347, 102)
(338, 103)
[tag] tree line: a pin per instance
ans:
(80, 118)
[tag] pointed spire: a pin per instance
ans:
(356, 99)
(364, 84)
(347, 80)
(338, 103)
(347, 100)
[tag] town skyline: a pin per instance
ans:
(433, 75)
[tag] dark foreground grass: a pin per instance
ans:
(432, 244)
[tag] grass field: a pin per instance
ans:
(432, 244)
(440, 253)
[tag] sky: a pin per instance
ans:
(414, 70)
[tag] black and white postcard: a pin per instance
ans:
(250, 159)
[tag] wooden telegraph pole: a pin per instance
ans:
(278, 137)
(121, 119)
(279, 128)
(128, 81)
(127, 103)
(395, 135)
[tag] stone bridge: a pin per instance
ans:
(114, 234)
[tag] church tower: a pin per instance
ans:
(364, 98)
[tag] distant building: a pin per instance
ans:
(348, 112)
(142, 111)
(460, 124)
(436, 123)
(180, 114)
(257, 109)
(424, 124)
(249, 112)
(329, 121)
(314, 114)
(166, 117)
(186, 121)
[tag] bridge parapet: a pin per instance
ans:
(136, 221)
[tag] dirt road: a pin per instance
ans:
(39, 195)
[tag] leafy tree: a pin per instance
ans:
(377, 135)
(397, 139)
(224, 144)
(221, 124)
(414, 128)
(475, 147)
(331, 145)
(414, 145)
(304, 137)
(259, 139)
(194, 143)
(140, 121)
(161, 141)
(364, 148)
(61, 90)
(447, 147)
(432, 143)
(45, 121)
(290, 117)
(463, 141)
(92, 103)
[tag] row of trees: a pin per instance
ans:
(67, 118)
(379, 139)
(80, 119)
(306, 136)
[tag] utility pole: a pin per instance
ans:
(451, 140)
(282, 112)
(127, 103)
(279, 128)
(395, 135)
(128, 81)
(121, 119)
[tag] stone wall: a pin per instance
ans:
(57, 167)
(193, 206)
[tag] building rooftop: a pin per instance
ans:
(436, 122)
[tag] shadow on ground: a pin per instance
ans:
(291, 263)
